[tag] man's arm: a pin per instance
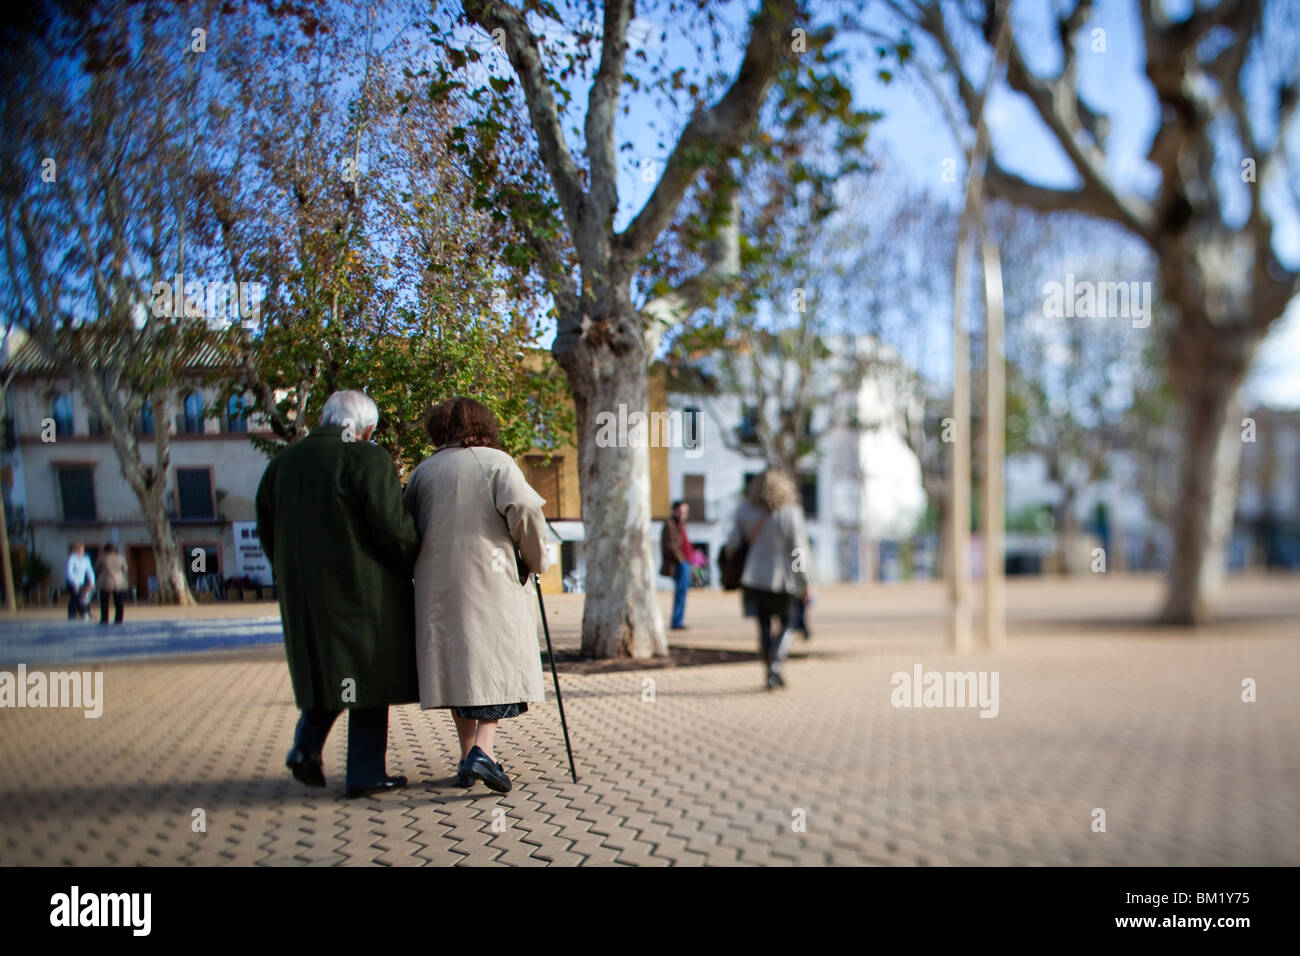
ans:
(411, 499)
(265, 511)
(385, 514)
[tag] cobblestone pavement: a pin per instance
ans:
(1096, 711)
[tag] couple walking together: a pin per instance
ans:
(391, 596)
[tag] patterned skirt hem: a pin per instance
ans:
(491, 711)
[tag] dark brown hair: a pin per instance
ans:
(462, 421)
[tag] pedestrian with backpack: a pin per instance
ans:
(767, 556)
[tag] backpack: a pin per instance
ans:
(731, 562)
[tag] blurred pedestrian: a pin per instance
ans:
(679, 557)
(483, 532)
(81, 582)
(342, 546)
(111, 569)
(770, 522)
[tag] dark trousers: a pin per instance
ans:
(367, 740)
(117, 606)
(768, 606)
(75, 607)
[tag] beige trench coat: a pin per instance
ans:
(110, 571)
(475, 624)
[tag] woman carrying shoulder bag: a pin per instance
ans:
(476, 635)
(775, 574)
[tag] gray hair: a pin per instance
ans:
(353, 407)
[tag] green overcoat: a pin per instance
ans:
(342, 547)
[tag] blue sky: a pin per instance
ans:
(915, 136)
(1112, 82)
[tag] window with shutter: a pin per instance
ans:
(236, 415)
(62, 408)
(693, 495)
(77, 492)
(545, 480)
(191, 417)
(194, 493)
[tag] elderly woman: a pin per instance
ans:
(775, 575)
(476, 636)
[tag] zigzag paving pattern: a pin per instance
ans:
(1095, 711)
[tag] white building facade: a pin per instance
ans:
(860, 485)
(63, 482)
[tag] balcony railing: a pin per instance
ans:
(189, 425)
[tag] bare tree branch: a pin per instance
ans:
(717, 131)
(602, 102)
(1064, 113)
(526, 57)
(1058, 104)
(697, 290)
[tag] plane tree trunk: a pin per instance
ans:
(604, 341)
(1206, 372)
(621, 617)
(1218, 270)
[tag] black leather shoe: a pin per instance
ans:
(463, 778)
(306, 766)
(479, 764)
(388, 783)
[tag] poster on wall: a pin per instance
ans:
(250, 560)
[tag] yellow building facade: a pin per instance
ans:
(554, 473)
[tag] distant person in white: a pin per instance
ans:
(81, 581)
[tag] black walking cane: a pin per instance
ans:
(550, 652)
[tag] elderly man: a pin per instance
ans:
(342, 546)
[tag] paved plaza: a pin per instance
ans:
(56, 641)
(699, 765)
